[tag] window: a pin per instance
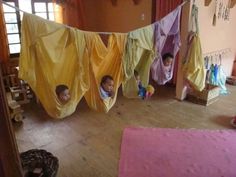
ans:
(42, 8)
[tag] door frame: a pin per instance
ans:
(10, 164)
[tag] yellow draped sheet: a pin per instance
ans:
(52, 54)
(139, 55)
(194, 68)
(104, 60)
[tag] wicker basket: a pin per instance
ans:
(206, 97)
(40, 163)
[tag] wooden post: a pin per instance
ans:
(10, 165)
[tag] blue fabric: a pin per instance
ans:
(212, 76)
(104, 94)
(142, 92)
(216, 73)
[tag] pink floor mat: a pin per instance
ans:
(158, 152)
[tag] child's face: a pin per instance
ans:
(168, 61)
(64, 96)
(108, 85)
(137, 77)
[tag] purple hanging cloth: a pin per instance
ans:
(167, 40)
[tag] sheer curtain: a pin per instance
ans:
(162, 8)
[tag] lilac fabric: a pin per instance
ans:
(167, 39)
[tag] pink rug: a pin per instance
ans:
(157, 152)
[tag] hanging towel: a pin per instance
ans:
(104, 61)
(167, 40)
(52, 54)
(218, 78)
(216, 71)
(221, 80)
(212, 79)
(139, 55)
(193, 67)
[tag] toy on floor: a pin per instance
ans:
(143, 92)
(147, 92)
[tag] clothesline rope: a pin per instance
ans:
(18, 9)
(12, 6)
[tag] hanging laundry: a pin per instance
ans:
(167, 40)
(218, 77)
(216, 72)
(221, 80)
(139, 55)
(193, 67)
(206, 60)
(212, 79)
(104, 60)
(52, 54)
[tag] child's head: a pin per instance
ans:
(63, 93)
(107, 83)
(167, 59)
(136, 75)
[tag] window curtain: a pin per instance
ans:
(69, 12)
(4, 49)
(161, 9)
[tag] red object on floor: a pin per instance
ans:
(234, 69)
(158, 152)
(235, 120)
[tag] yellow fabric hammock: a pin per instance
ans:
(139, 55)
(53, 54)
(104, 61)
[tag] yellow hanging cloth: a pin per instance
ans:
(104, 61)
(194, 67)
(52, 54)
(139, 55)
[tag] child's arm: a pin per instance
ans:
(112, 94)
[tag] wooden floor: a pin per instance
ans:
(88, 143)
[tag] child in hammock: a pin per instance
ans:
(63, 93)
(107, 87)
(167, 59)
